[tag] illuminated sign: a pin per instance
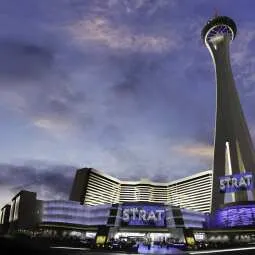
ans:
(100, 239)
(140, 215)
(190, 240)
(236, 182)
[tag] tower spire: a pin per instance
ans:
(216, 13)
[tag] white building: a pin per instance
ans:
(92, 187)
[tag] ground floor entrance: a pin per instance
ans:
(149, 237)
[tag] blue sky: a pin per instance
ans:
(124, 86)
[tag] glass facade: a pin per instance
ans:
(193, 219)
(70, 212)
(128, 214)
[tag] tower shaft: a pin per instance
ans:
(231, 127)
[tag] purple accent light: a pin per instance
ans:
(70, 212)
(234, 216)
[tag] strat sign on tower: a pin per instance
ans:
(237, 182)
(140, 215)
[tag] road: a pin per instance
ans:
(237, 251)
(9, 246)
(142, 250)
(241, 251)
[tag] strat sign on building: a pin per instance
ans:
(236, 182)
(143, 215)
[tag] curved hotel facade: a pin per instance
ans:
(92, 187)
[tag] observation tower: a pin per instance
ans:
(233, 147)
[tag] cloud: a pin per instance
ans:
(196, 150)
(242, 59)
(243, 62)
(50, 181)
(120, 37)
(52, 125)
(5, 195)
(59, 96)
(148, 6)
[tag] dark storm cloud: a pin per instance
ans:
(55, 178)
(21, 60)
(16, 175)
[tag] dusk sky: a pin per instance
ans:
(124, 86)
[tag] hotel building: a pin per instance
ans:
(92, 187)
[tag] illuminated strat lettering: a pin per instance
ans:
(143, 215)
(236, 182)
